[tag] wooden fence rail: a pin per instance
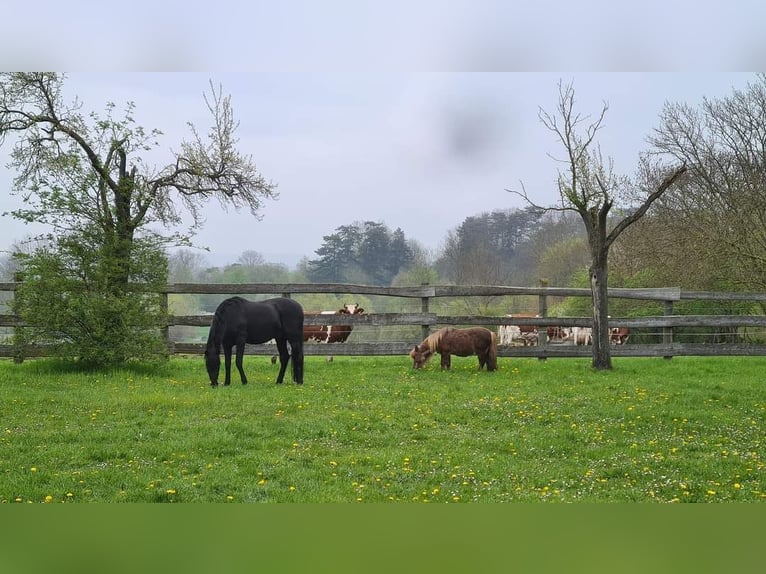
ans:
(427, 320)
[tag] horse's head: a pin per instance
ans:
(419, 356)
(213, 364)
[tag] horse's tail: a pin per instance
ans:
(492, 352)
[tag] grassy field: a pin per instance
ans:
(373, 430)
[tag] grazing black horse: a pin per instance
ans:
(238, 321)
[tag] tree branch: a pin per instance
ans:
(644, 207)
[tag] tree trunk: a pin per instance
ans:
(602, 353)
(122, 246)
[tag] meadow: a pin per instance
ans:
(371, 429)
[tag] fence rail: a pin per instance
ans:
(427, 320)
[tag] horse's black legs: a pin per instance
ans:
(284, 357)
(297, 356)
(227, 365)
(240, 368)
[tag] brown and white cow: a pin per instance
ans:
(329, 333)
(332, 333)
(582, 336)
(526, 334)
(619, 335)
(558, 334)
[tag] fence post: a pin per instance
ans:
(19, 341)
(542, 310)
(667, 332)
(424, 308)
(165, 331)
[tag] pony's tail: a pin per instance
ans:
(492, 353)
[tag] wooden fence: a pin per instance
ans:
(428, 320)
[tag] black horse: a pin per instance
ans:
(238, 321)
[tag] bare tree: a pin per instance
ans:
(251, 259)
(588, 186)
(723, 200)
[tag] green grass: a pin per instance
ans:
(374, 430)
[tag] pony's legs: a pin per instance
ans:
(240, 356)
(491, 361)
(482, 360)
(446, 361)
(284, 357)
(227, 365)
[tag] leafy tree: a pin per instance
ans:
(589, 187)
(360, 253)
(86, 177)
(331, 265)
(374, 252)
(560, 261)
(400, 254)
(490, 248)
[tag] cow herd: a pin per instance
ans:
(507, 335)
(529, 335)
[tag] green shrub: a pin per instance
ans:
(89, 305)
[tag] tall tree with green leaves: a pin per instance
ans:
(366, 251)
(88, 177)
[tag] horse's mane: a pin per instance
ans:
(433, 340)
(218, 326)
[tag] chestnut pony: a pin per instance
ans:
(461, 342)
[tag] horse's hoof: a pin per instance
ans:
(226, 384)
(214, 385)
(244, 382)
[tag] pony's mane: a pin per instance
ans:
(433, 340)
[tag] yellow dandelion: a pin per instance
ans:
(262, 482)
(230, 498)
(170, 491)
(737, 486)
(292, 488)
(33, 469)
(48, 498)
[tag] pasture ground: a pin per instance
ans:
(371, 429)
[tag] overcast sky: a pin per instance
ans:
(334, 108)
(416, 151)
